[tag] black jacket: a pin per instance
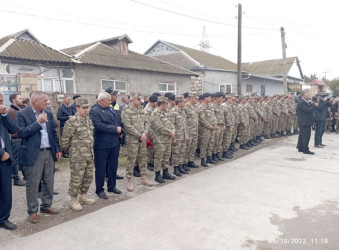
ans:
(305, 113)
(63, 114)
(7, 125)
(320, 112)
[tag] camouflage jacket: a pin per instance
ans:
(228, 114)
(267, 108)
(244, 118)
(235, 109)
(219, 114)
(284, 107)
(77, 138)
(251, 112)
(206, 118)
(161, 127)
(148, 111)
(276, 108)
(178, 119)
(192, 119)
(135, 123)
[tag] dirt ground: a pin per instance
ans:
(19, 211)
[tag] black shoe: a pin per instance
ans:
(236, 139)
(224, 154)
(150, 167)
(197, 152)
(185, 167)
(209, 160)
(218, 157)
(233, 148)
(55, 193)
(229, 154)
(243, 147)
(136, 172)
(249, 145)
(8, 225)
(318, 146)
(253, 142)
(322, 145)
(114, 190)
(192, 164)
(119, 177)
(102, 195)
(158, 177)
(300, 150)
(19, 182)
(282, 133)
(176, 171)
(167, 175)
(182, 170)
(204, 163)
(308, 152)
(214, 158)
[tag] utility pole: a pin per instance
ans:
(282, 30)
(204, 43)
(325, 72)
(239, 48)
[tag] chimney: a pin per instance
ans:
(123, 47)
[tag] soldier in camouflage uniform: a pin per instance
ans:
(283, 115)
(244, 122)
(268, 113)
(151, 105)
(137, 127)
(230, 127)
(77, 138)
(178, 118)
(220, 122)
(207, 127)
(291, 113)
(235, 110)
(253, 120)
(163, 134)
(192, 121)
(276, 116)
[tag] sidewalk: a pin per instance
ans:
(274, 198)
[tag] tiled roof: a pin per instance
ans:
(269, 67)
(101, 54)
(12, 47)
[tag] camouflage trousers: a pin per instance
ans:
(251, 129)
(191, 146)
(178, 152)
(218, 138)
(234, 133)
(206, 143)
(162, 153)
(150, 155)
(328, 126)
(199, 137)
(295, 123)
(276, 120)
(81, 177)
(137, 155)
(267, 127)
(227, 139)
(282, 122)
(243, 134)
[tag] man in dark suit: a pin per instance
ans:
(305, 122)
(108, 131)
(39, 150)
(7, 125)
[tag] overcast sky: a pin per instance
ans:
(312, 27)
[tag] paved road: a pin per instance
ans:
(275, 198)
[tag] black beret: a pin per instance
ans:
(156, 94)
(171, 97)
(153, 98)
(218, 94)
(201, 97)
(206, 95)
(76, 96)
(185, 94)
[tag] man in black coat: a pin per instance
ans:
(7, 125)
(320, 115)
(305, 121)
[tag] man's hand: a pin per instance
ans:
(316, 104)
(3, 109)
(42, 118)
(119, 130)
(231, 128)
(58, 155)
(5, 157)
(143, 137)
(174, 141)
(173, 134)
(70, 116)
(224, 128)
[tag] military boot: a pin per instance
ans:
(83, 199)
(145, 181)
(229, 154)
(192, 164)
(186, 168)
(249, 145)
(136, 171)
(244, 147)
(177, 171)
(210, 160)
(167, 175)
(182, 170)
(150, 167)
(130, 185)
(282, 133)
(158, 177)
(75, 205)
(214, 158)
(219, 157)
(197, 152)
(233, 148)
(204, 163)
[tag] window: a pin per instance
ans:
(116, 85)
(248, 87)
(168, 87)
(226, 88)
(51, 85)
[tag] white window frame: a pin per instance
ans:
(225, 86)
(121, 91)
(167, 84)
(54, 81)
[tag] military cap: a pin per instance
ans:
(179, 98)
(76, 96)
(237, 96)
(135, 95)
(232, 94)
(218, 94)
(276, 95)
(153, 98)
(201, 97)
(245, 97)
(206, 95)
(171, 97)
(156, 94)
(167, 94)
(185, 94)
(254, 93)
(228, 96)
(162, 99)
(193, 94)
(82, 103)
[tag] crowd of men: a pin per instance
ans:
(160, 131)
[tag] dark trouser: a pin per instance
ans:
(5, 190)
(333, 124)
(304, 138)
(319, 131)
(42, 170)
(106, 158)
(15, 158)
